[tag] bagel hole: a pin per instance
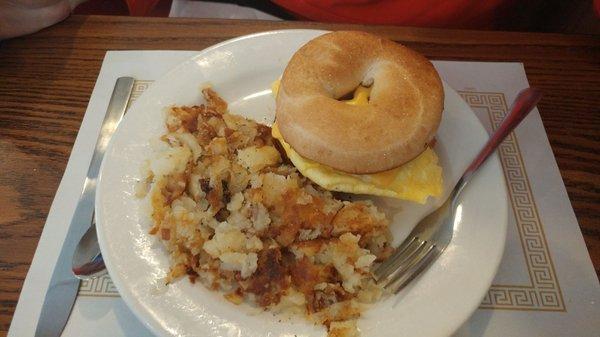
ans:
(351, 95)
(348, 96)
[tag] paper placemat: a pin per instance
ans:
(546, 284)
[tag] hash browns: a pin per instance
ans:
(235, 215)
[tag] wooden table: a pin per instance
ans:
(47, 78)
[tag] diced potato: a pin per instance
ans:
(234, 298)
(343, 329)
(214, 100)
(190, 141)
(172, 161)
(274, 187)
(245, 263)
(218, 146)
(257, 158)
(339, 311)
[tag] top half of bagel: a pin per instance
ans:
(401, 117)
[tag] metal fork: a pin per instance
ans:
(431, 236)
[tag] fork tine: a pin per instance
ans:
(405, 265)
(402, 279)
(400, 255)
(384, 267)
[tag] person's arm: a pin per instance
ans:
(21, 17)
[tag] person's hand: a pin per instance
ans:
(20, 17)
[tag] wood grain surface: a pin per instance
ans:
(47, 78)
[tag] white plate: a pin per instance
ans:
(241, 70)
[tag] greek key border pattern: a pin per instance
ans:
(102, 286)
(139, 87)
(543, 291)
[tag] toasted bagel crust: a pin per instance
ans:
(402, 117)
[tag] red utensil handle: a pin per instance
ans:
(523, 104)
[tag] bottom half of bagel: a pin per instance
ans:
(414, 181)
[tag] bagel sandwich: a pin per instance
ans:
(379, 142)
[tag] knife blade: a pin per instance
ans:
(63, 287)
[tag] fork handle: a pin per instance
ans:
(523, 104)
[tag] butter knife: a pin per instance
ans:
(63, 287)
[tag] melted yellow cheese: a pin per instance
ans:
(275, 87)
(414, 181)
(361, 94)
